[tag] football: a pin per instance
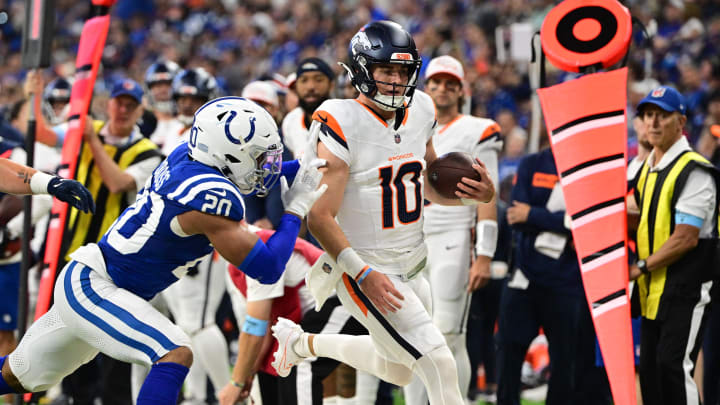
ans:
(447, 170)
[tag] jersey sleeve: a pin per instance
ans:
(200, 190)
(331, 132)
(487, 148)
(698, 196)
(259, 292)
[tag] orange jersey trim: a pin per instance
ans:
(450, 123)
(373, 113)
(326, 118)
(355, 298)
(489, 131)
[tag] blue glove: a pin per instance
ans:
(71, 192)
(289, 170)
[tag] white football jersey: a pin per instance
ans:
(167, 131)
(480, 137)
(295, 133)
(295, 270)
(381, 212)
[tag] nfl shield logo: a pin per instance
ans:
(326, 268)
(397, 138)
(659, 92)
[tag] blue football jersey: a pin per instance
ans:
(145, 250)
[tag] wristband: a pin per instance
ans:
(469, 201)
(350, 262)
(39, 182)
(237, 384)
(255, 327)
(363, 275)
(486, 232)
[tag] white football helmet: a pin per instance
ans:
(239, 138)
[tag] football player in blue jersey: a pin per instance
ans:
(191, 204)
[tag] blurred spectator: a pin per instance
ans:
(545, 290)
(514, 148)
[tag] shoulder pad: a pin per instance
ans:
(329, 116)
(424, 104)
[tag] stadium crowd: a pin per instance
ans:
(236, 42)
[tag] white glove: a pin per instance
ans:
(300, 197)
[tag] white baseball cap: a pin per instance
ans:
(261, 91)
(291, 79)
(445, 64)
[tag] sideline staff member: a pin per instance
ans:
(676, 194)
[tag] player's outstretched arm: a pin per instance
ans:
(20, 179)
(250, 351)
(321, 222)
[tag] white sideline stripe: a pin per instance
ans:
(606, 258)
(691, 389)
(594, 216)
(590, 170)
(586, 126)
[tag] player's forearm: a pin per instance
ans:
(248, 351)
(327, 231)
(486, 230)
(115, 179)
(15, 177)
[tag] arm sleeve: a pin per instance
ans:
(545, 220)
(266, 261)
(698, 196)
(539, 218)
(490, 158)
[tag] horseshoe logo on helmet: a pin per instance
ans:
(229, 136)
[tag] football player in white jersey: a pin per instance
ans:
(313, 84)
(448, 230)
(158, 87)
(191, 204)
(377, 147)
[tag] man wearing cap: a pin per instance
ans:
(313, 84)
(265, 94)
(448, 229)
(676, 240)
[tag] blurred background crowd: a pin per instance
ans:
(240, 41)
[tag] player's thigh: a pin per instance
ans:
(10, 285)
(449, 255)
(113, 320)
(402, 336)
(48, 351)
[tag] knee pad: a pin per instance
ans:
(32, 363)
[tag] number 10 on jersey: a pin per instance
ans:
(394, 192)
